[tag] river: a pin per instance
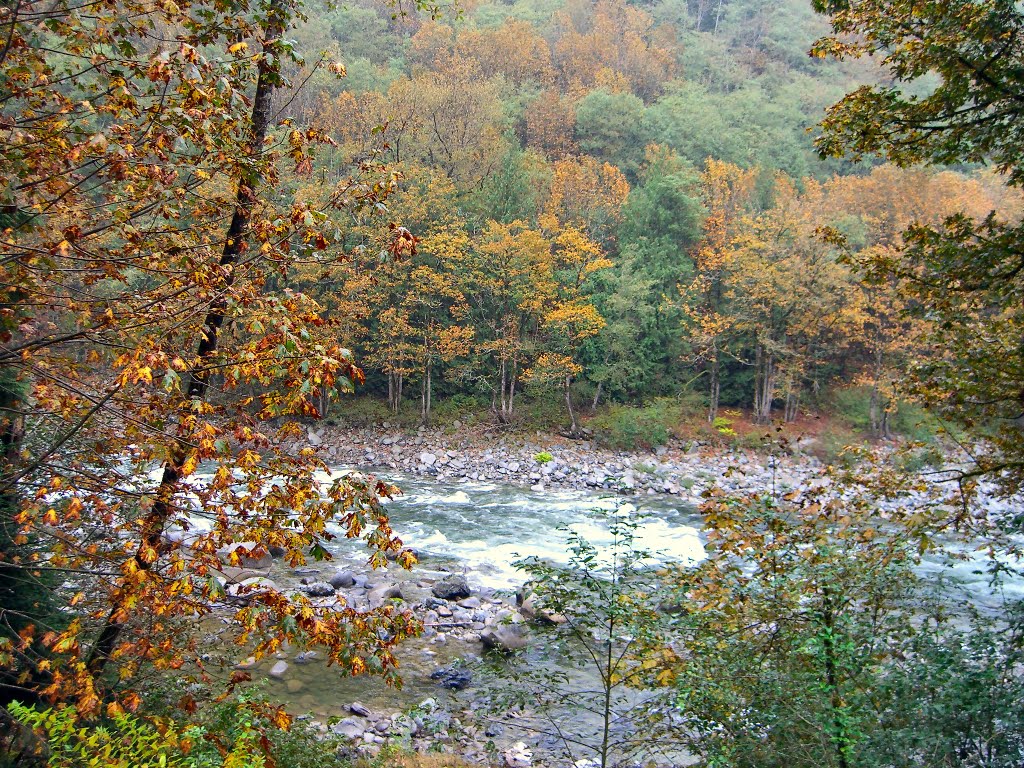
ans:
(480, 530)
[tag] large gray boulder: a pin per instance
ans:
(504, 638)
(318, 589)
(454, 587)
(342, 580)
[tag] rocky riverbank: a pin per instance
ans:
(682, 469)
(447, 708)
(464, 619)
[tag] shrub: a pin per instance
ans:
(459, 407)
(723, 426)
(831, 446)
(919, 457)
(543, 457)
(624, 427)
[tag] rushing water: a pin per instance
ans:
(485, 527)
(479, 529)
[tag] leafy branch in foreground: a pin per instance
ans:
(149, 339)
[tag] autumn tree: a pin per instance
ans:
(550, 122)
(572, 317)
(144, 335)
(589, 194)
(790, 297)
(965, 273)
(726, 192)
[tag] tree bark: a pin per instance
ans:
(197, 379)
(425, 395)
(573, 426)
(714, 385)
(764, 385)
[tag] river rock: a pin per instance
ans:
(318, 589)
(531, 610)
(504, 638)
(427, 459)
(453, 676)
(314, 439)
(350, 728)
(342, 580)
(454, 587)
(358, 708)
(305, 657)
(518, 756)
(247, 663)
(279, 670)
(379, 595)
(470, 602)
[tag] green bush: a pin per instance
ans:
(624, 427)
(909, 420)
(370, 411)
(240, 731)
(543, 409)
(463, 408)
(831, 446)
(918, 458)
(543, 457)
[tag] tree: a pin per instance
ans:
(610, 126)
(605, 619)
(802, 603)
(571, 318)
(790, 297)
(145, 331)
(726, 192)
(965, 274)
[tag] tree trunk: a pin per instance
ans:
(197, 379)
(764, 385)
(714, 385)
(792, 404)
(597, 397)
(506, 390)
(395, 381)
(840, 735)
(573, 426)
(425, 393)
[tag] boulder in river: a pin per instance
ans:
(357, 708)
(531, 610)
(504, 638)
(342, 580)
(246, 554)
(454, 587)
(279, 670)
(379, 595)
(453, 676)
(350, 728)
(318, 589)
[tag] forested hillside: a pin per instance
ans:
(612, 202)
